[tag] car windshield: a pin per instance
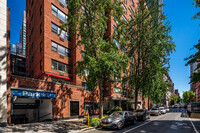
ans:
(140, 110)
(161, 108)
(154, 109)
(116, 114)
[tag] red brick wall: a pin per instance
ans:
(64, 94)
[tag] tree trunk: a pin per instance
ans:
(100, 103)
(136, 98)
(148, 104)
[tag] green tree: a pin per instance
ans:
(197, 4)
(194, 59)
(173, 99)
(87, 19)
(148, 49)
(188, 96)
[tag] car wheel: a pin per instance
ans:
(119, 125)
(144, 118)
(134, 121)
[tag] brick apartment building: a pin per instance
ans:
(52, 90)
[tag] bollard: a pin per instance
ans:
(88, 120)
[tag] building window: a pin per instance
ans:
(125, 1)
(60, 49)
(117, 90)
(40, 46)
(85, 86)
(40, 10)
(58, 13)
(125, 10)
(124, 92)
(117, 43)
(32, 59)
(132, 3)
(32, 45)
(124, 18)
(115, 19)
(61, 15)
(54, 10)
(130, 18)
(62, 33)
(63, 2)
(132, 12)
(40, 65)
(91, 105)
(82, 56)
(55, 65)
(40, 28)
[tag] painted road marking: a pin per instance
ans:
(193, 125)
(142, 124)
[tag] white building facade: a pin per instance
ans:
(3, 62)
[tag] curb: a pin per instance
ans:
(86, 129)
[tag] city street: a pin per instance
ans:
(173, 122)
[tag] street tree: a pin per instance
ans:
(194, 58)
(148, 49)
(197, 4)
(87, 19)
(173, 99)
(188, 96)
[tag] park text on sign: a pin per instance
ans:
(33, 94)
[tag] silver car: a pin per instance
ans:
(155, 111)
(162, 110)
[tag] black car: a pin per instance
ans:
(142, 114)
(118, 119)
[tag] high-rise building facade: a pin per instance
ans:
(3, 62)
(53, 91)
(23, 34)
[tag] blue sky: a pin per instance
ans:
(184, 32)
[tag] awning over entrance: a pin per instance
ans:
(33, 93)
(119, 98)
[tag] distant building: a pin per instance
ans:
(195, 87)
(166, 97)
(177, 93)
(13, 49)
(18, 65)
(19, 50)
(23, 34)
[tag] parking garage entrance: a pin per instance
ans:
(31, 105)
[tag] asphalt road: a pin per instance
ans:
(173, 122)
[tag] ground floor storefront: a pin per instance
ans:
(31, 100)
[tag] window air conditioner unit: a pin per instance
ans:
(61, 56)
(61, 74)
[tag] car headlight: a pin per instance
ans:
(115, 122)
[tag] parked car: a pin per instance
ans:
(142, 114)
(162, 110)
(167, 109)
(155, 111)
(118, 119)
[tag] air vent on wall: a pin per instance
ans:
(61, 56)
(61, 39)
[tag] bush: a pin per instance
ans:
(95, 122)
(114, 109)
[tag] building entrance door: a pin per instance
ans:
(74, 108)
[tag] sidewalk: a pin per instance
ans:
(61, 126)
